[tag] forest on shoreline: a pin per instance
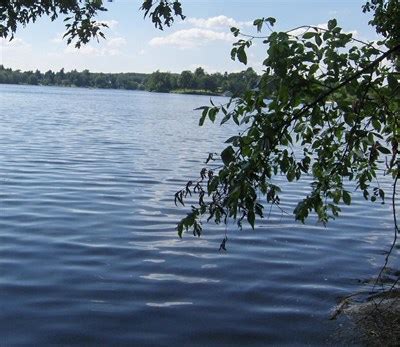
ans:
(187, 82)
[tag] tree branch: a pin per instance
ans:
(347, 80)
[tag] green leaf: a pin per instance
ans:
(212, 185)
(291, 175)
(235, 118)
(271, 21)
(251, 217)
(180, 229)
(393, 82)
(318, 40)
(233, 53)
(241, 54)
(332, 24)
(384, 150)
(258, 23)
(203, 116)
(246, 151)
(226, 118)
(232, 139)
(308, 35)
(346, 197)
(376, 124)
(228, 155)
(235, 31)
(326, 35)
(313, 69)
(337, 194)
(212, 113)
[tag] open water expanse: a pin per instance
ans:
(88, 250)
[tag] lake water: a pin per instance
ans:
(88, 250)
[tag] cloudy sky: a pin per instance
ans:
(203, 39)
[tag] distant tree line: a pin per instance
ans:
(197, 82)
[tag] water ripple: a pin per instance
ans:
(89, 250)
(172, 277)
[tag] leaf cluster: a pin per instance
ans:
(79, 16)
(326, 108)
(162, 12)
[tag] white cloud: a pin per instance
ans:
(216, 22)
(203, 31)
(16, 53)
(116, 42)
(84, 50)
(14, 44)
(13, 50)
(190, 38)
(58, 38)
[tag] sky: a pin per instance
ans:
(203, 39)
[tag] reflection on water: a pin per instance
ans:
(154, 260)
(88, 248)
(168, 304)
(183, 279)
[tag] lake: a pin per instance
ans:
(88, 248)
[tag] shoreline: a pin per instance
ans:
(174, 91)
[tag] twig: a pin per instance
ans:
(308, 27)
(396, 230)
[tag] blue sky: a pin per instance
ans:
(203, 39)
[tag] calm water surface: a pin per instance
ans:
(88, 250)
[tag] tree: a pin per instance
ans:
(335, 97)
(186, 80)
(79, 21)
(101, 81)
(80, 15)
(161, 82)
(251, 78)
(209, 83)
(49, 77)
(60, 77)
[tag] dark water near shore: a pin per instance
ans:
(88, 250)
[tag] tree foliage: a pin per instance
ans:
(333, 115)
(79, 16)
(186, 82)
(162, 12)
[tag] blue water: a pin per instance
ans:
(88, 250)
